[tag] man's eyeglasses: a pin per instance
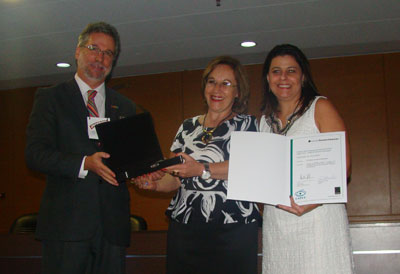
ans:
(224, 84)
(98, 51)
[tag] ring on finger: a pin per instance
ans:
(175, 173)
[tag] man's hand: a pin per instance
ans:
(95, 164)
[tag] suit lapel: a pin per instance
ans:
(112, 105)
(78, 106)
(77, 103)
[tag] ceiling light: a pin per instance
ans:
(248, 44)
(63, 65)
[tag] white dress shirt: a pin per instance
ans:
(99, 100)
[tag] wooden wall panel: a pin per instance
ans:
(6, 181)
(21, 194)
(193, 102)
(161, 95)
(254, 75)
(29, 188)
(356, 87)
(392, 76)
(6, 149)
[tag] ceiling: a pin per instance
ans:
(173, 35)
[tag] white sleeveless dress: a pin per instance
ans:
(317, 242)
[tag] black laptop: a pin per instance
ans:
(133, 145)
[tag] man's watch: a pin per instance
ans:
(206, 172)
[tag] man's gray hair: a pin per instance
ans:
(101, 27)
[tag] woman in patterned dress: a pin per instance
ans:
(208, 233)
(307, 239)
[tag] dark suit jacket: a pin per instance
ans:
(57, 140)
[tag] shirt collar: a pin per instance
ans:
(101, 89)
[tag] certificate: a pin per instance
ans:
(268, 168)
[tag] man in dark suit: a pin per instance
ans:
(84, 215)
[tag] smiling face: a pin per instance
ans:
(221, 89)
(93, 67)
(285, 78)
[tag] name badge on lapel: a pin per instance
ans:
(92, 122)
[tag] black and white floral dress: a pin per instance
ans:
(204, 201)
(208, 233)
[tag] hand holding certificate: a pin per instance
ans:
(268, 168)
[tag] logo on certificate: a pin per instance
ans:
(301, 194)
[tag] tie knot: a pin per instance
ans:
(91, 94)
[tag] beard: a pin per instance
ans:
(95, 70)
(99, 75)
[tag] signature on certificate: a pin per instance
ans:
(324, 179)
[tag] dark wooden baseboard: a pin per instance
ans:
(21, 254)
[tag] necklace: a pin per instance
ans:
(275, 128)
(208, 134)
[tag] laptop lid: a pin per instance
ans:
(132, 144)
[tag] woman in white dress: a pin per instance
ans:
(307, 239)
